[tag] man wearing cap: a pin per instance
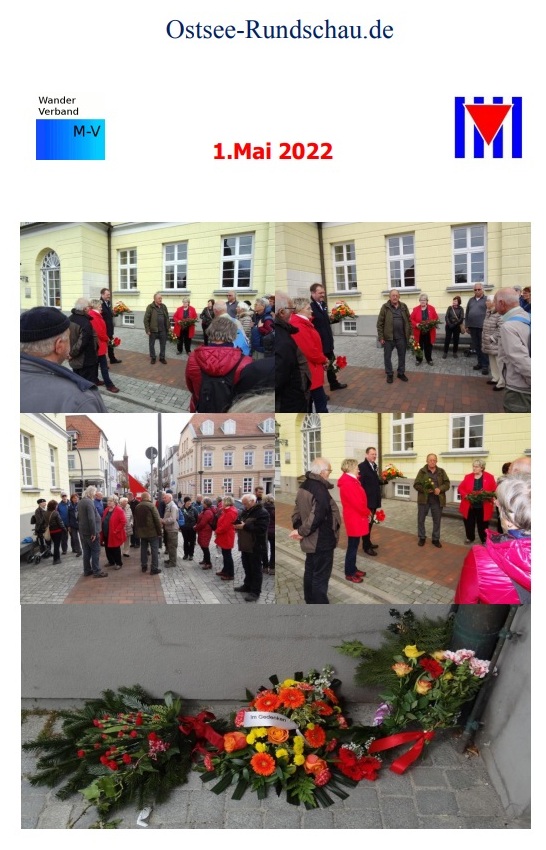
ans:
(39, 521)
(46, 385)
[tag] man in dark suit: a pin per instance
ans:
(322, 325)
(108, 317)
(372, 485)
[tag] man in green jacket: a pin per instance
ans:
(394, 331)
(148, 529)
(432, 485)
(156, 325)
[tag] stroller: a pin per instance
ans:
(35, 554)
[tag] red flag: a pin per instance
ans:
(135, 486)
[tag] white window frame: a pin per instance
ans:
(402, 491)
(207, 459)
(25, 449)
(227, 486)
(238, 259)
(128, 319)
(53, 465)
(71, 463)
(229, 426)
(469, 251)
(248, 459)
(470, 419)
(248, 485)
(349, 326)
(228, 460)
(208, 485)
(267, 426)
(400, 260)
(51, 280)
(405, 422)
(345, 276)
(177, 266)
(127, 269)
(312, 438)
(269, 457)
(207, 428)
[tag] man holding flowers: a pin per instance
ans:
(432, 485)
(322, 325)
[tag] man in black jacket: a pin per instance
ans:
(372, 485)
(83, 342)
(323, 326)
(108, 317)
(252, 532)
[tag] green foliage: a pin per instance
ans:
(375, 664)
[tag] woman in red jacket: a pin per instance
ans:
(225, 537)
(480, 514)
(308, 341)
(355, 516)
(113, 533)
(424, 312)
(203, 528)
(184, 325)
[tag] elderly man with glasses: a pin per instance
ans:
(473, 320)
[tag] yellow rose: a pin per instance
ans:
(412, 651)
(401, 669)
(260, 748)
(447, 676)
(282, 754)
(299, 759)
(423, 687)
(439, 655)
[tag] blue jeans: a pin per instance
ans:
(388, 348)
(91, 554)
(350, 555)
(154, 547)
(318, 569)
(476, 337)
(318, 398)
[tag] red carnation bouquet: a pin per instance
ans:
(115, 341)
(338, 363)
(379, 516)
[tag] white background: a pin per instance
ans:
(386, 107)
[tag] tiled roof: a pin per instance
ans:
(88, 432)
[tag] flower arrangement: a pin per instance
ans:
(186, 323)
(478, 497)
(428, 486)
(291, 737)
(171, 336)
(340, 311)
(338, 363)
(379, 516)
(428, 325)
(115, 341)
(119, 308)
(417, 350)
(120, 748)
(391, 472)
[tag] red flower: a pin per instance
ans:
(267, 701)
(113, 765)
(315, 737)
(96, 746)
(433, 668)
(133, 734)
(341, 362)
(323, 777)
(138, 721)
(207, 761)
(323, 708)
(152, 736)
(380, 515)
(291, 697)
(104, 759)
(263, 764)
(81, 754)
(126, 758)
(328, 692)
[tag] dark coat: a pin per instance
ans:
(253, 535)
(292, 374)
(108, 317)
(147, 522)
(214, 360)
(372, 485)
(83, 340)
(323, 326)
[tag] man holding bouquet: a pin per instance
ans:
(322, 325)
(432, 485)
(372, 485)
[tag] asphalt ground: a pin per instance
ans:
(445, 789)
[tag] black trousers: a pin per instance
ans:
(452, 333)
(475, 520)
(252, 566)
(188, 535)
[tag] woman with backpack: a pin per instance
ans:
(225, 537)
(203, 528)
(55, 527)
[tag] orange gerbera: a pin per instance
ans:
(291, 697)
(263, 764)
(315, 737)
(267, 701)
(328, 692)
(276, 735)
(323, 708)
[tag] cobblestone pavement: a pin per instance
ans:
(445, 789)
(185, 584)
(401, 573)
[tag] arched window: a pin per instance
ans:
(310, 431)
(51, 280)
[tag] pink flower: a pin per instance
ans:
(323, 777)
(478, 667)
(240, 718)
(207, 761)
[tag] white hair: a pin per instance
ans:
(514, 500)
(319, 465)
(90, 491)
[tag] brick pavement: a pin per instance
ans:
(446, 789)
(186, 584)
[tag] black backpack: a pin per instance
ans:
(216, 393)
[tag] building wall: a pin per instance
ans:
(506, 437)
(298, 257)
(43, 431)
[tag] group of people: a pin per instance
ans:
(497, 572)
(119, 524)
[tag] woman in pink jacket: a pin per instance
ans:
(356, 516)
(479, 514)
(499, 573)
(424, 312)
(225, 537)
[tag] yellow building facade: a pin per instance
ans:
(360, 262)
(61, 262)
(404, 440)
(43, 462)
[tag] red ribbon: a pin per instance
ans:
(403, 762)
(200, 725)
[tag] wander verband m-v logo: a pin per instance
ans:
(485, 130)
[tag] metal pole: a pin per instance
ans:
(159, 454)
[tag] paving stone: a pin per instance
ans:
(288, 818)
(483, 804)
(399, 813)
(244, 820)
(426, 777)
(436, 802)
